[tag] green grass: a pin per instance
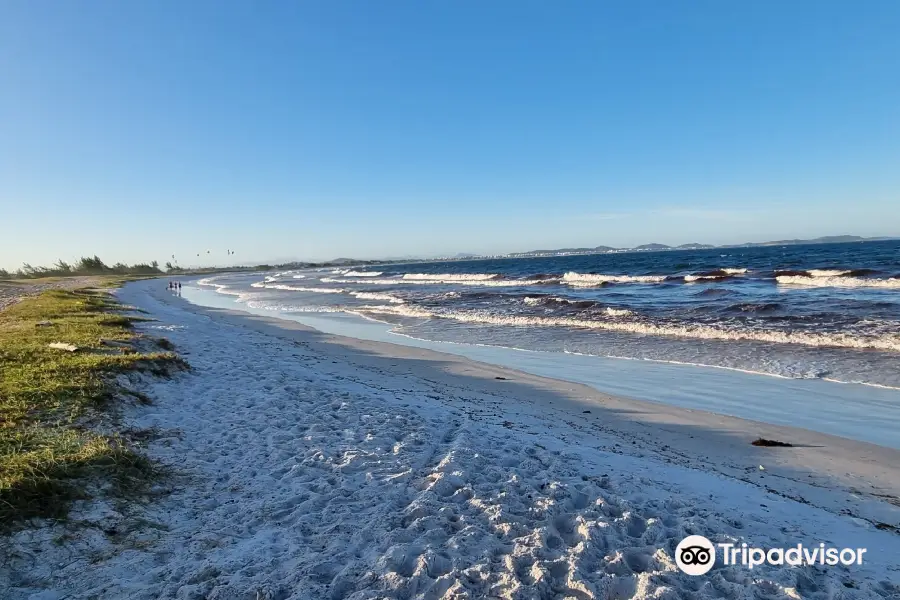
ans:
(49, 456)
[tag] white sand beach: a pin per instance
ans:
(307, 465)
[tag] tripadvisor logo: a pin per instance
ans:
(696, 555)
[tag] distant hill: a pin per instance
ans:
(595, 250)
(828, 239)
(646, 247)
(344, 262)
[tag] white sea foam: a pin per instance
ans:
(275, 306)
(297, 288)
(328, 290)
(451, 276)
(221, 289)
(299, 276)
(693, 278)
(839, 281)
(735, 271)
(362, 274)
(609, 310)
(335, 280)
(467, 282)
(827, 272)
(403, 311)
(535, 300)
(590, 279)
(889, 342)
(377, 296)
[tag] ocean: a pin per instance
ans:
(823, 311)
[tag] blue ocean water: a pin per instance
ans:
(828, 311)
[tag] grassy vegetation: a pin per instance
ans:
(86, 265)
(49, 454)
(92, 265)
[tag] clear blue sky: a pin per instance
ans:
(311, 130)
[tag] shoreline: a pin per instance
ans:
(856, 411)
(866, 476)
(309, 465)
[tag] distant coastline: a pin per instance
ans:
(95, 266)
(830, 239)
(463, 256)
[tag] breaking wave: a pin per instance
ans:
(890, 343)
(274, 306)
(221, 289)
(827, 273)
(450, 276)
(297, 288)
(377, 296)
(838, 281)
(591, 279)
(557, 301)
(551, 301)
(714, 275)
(363, 274)
(469, 282)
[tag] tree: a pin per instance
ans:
(91, 265)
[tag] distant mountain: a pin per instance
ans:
(829, 239)
(596, 250)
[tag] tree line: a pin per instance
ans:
(86, 265)
(92, 265)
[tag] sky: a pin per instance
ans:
(143, 130)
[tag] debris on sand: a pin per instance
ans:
(63, 346)
(771, 443)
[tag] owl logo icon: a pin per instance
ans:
(695, 555)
